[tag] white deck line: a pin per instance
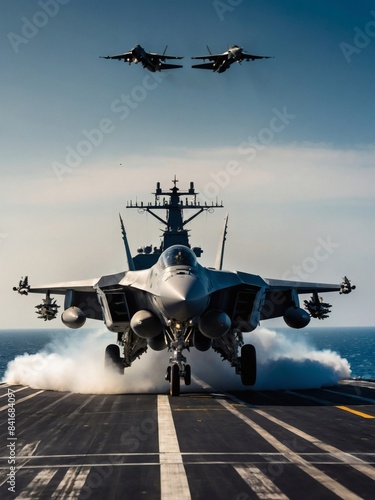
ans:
(173, 480)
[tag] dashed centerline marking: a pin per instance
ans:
(173, 480)
(356, 412)
(263, 487)
(37, 485)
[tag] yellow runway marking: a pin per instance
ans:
(356, 412)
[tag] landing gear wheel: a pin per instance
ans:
(174, 387)
(112, 359)
(248, 365)
(187, 375)
(168, 374)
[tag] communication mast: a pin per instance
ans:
(174, 202)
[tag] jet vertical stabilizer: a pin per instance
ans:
(129, 257)
(220, 250)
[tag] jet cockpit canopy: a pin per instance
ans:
(178, 255)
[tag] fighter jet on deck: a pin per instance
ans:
(152, 62)
(167, 300)
(221, 62)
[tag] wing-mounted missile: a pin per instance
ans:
(346, 286)
(317, 308)
(23, 286)
(48, 309)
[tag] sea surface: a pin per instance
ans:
(357, 345)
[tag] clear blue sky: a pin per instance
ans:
(287, 143)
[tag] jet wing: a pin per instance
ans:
(126, 56)
(89, 285)
(276, 296)
(301, 286)
(251, 57)
(210, 57)
(204, 66)
(83, 293)
(249, 298)
(163, 57)
(226, 280)
(63, 287)
(169, 66)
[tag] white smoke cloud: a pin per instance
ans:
(75, 362)
(284, 361)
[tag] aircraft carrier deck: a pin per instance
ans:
(203, 445)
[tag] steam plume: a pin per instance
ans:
(74, 363)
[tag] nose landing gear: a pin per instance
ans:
(174, 375)
(179, 335)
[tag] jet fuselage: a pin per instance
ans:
(177, 285)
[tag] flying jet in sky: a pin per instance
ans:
(149, 60)
(167, 300)
(221, 62)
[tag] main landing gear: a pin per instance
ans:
(112, 360)
(248, 363)
(174, 375)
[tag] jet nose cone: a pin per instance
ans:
(183, 297)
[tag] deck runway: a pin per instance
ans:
(308, 444)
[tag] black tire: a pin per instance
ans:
(158, 343)
(187, 376)
(248, 365)
(201, 343)
(174, 387)
(168, 374)
(112, 359)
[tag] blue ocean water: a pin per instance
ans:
(357, 345)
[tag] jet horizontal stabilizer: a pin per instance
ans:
(170, 66)
(203, 66)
